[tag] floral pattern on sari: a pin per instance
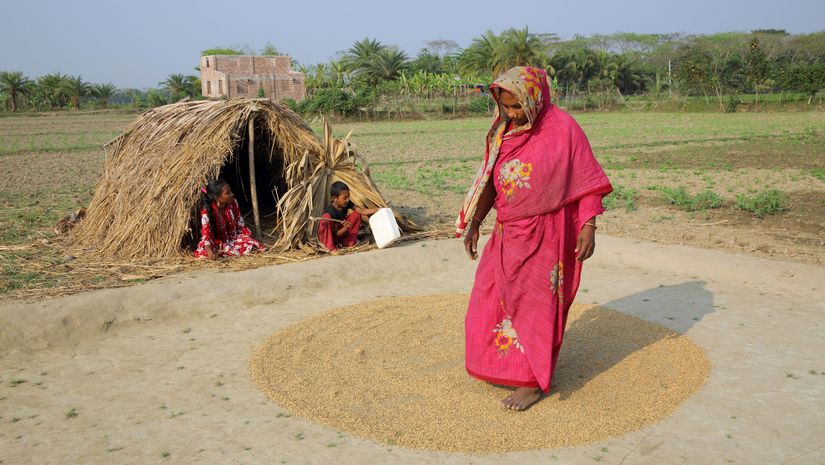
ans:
(513, 176)
(532, 88)
(506, 338)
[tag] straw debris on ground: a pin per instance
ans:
(392, 370)
(63, 274)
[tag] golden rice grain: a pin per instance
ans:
(392, 370)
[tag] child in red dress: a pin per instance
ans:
(223, 233)
(338, 228)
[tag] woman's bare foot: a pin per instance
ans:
(522, 398)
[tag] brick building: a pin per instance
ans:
(233, 76)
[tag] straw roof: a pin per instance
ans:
(144, 202)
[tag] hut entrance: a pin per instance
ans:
(269, 181)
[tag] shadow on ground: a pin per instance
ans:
(583, 359)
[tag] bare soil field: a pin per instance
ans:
(160, 371)
(425, 168)
(50, 165)
(164, 372)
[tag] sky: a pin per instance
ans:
(137, 44)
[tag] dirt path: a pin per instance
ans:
(157, 373)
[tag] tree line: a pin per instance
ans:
(370, 73)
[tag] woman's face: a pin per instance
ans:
(226, 196)
(512, 108)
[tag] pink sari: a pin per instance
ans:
(548, 184)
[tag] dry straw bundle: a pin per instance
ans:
(145, 201)
(315, 174)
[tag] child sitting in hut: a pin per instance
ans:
(223, 233)
(338, 228)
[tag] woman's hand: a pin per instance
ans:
(586, 243)
(471, 243)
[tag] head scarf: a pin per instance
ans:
(532, 89)
(550, 148)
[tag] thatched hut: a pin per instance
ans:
(146, 203)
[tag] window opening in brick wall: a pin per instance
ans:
(208, 87)
(220, 86)
(241, 87)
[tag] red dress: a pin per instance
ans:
(233, 238)
(329, 226)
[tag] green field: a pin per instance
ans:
(49, 166)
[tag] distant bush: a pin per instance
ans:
(480, 105)
(818, 173)
(335, 101)
(682, 199)
(621, 197)
(292, 105)
(733, 102)
(156, 98)
(762, 204)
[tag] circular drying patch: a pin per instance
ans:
(392, 370)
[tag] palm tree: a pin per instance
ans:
(518, 47)
(50, 90)
(75, 89)
(629, 76)
(385, 65)
(14, 83)
(103, 92)
(360, 53)
(603, 65)
(575, 68)
(180, 86)
(481, 56)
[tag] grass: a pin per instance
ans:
(50, 165)
(818, 173)
(763, 203)
(621, 197)
(71, 413)
(425, 178)
(682, 199)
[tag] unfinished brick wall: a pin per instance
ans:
(239, 76)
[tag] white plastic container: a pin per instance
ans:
(384, 228)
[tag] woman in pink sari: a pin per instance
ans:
(547, 187)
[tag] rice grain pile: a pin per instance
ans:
(392, 370)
